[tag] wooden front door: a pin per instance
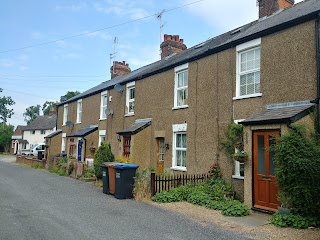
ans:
(265, 189)
(126, 146)
(160, 155)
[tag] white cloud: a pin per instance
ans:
(23, 68)
(23, 57)
(150, 54)
(37, 35)
(72, 55)
(4, 62)
(121, 8)
(100, 34)
(73, 7)
(225, 15)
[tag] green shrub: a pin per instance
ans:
(298, 172)
(293, 221)
(235, 208)
(216, 205)
(198, 198)
(162, 197)
(103, 154)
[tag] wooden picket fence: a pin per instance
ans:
(165, 183)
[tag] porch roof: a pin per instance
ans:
(84, 131)
(51, 135)
(136, 127)
(279, 115)
(23, 141)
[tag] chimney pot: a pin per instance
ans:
(119, 68)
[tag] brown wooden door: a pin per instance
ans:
(265, 189)
(160, 155)
(126, 146)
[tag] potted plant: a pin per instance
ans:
(93, 148)
(241, 156)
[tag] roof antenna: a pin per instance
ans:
(159, 16)
(115, 41)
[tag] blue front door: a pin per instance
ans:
(79, 149)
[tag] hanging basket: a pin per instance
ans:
(241, 159)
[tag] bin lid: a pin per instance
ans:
(104, 164)
(111, 164)
(126, 166)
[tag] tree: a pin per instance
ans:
(6, 132)
(103, 154)
(47, 106)
(5, 112)
(71, 94)
(31, 113)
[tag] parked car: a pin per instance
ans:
(34, 149)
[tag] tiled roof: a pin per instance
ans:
(285, 18)
(279, 115)
(84, 131)
(51, 135)
(42, 123)
(136, 127)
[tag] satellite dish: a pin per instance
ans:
(109, 111)
(118, 88)
(69, 124)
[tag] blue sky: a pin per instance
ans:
(33, 75)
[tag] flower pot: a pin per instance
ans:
(241, 159)
(284, 211)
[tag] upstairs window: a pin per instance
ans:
(181, 86)
(65, 114)
(103, 105)
(79, 111)
(43, 132)
(33, 132)
(248, 69)
(130, 96)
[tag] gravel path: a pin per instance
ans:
(35, 204)
(212, 217)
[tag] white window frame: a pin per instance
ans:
(79, 111)
(42, 131)
(102, 133)
(103, 115)
(177, 129)
(12, 144)
(177, 71)
(242, 48)
(64, 142)
(129, 86)
(236, 163)
(65, 114)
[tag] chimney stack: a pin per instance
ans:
(268, 7)
(171, 44)
(119, 68)
(52, 111)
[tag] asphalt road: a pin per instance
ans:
(36, 204)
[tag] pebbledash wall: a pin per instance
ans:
(287, 74)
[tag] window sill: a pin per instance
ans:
(248, 96)
(182, 169)
(129, 115)
(78, 123)
(180, 107)
(101, 119)
(238, 177)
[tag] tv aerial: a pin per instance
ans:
(69, 124)
(118, 88)
(109, 111)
